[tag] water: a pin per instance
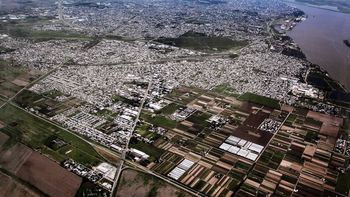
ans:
(321, 37)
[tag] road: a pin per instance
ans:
(120, 167)
(27, 86)
(135, 165)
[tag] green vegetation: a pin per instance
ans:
(311, 136)
(107, 114)
(199, 118)
(170, 109)
(24, 29)
(90, 189)
(52, 94)
(225, 89)
(202, 42)
(9, 72)
(291, 118)
(262, 100)
(143, 130)
(34, 132)
(343, 183)
(321, 80)
(150, 150)
(313, 122)
(159, 120)
(122, 99)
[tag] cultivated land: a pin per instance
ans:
(14, 77)
(33, 131)
(48, 176)
(221, 108)
(9, 187)
(134, 184)
(24, 172)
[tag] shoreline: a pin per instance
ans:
(322, 70)
(313, 6)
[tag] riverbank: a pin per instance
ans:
(321, 38)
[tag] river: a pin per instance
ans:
(321, 37)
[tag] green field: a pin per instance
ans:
(9, 72)
(226, 90)
(262, 100)
(150, 150)
(34, 132)
(343, 184)
(159, 120)
(199, 118)
(170, 109)
(202, 42)
(24, 29)
(144, 131)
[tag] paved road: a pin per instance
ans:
(120, 167)
(27, 86)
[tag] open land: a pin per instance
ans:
(26, 172)
(215, 101)
(134, 183)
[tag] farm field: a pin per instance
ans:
(14, 77)
(136, 184)
(10, 187)
(49, 177)
(21, 126)
(24, 172)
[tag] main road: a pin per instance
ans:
(120, 167)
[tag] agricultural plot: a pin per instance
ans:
(11, 187)
(25, 172)
(24, 29)
(49, 177)
(135, 184)
(14, 77)
(261, 100)
(34, 132)
(45, 103)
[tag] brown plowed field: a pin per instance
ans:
(11, 188)
(49, 177)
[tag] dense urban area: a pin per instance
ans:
(166, 98)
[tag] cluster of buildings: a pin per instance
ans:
(241, 147)
(103, 174)
(343, 146)
(305, 90)
(270, 125)
(182, 114)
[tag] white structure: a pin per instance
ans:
(241, 147)
(179, 170)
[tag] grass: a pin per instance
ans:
(199, 118)
(150, 150)
(107, 114)
(170, 109)
(159, 120)
(23, 127)
(52, 94)
(143, 130)
(225, 89)
(262, 100)
(24, 29)
(343, 184)
(311, 136)
(202, 42)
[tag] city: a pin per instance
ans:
(167, 98)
